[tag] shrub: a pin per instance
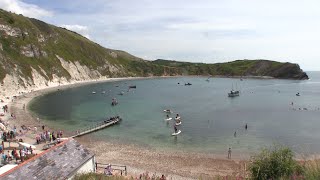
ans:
(274, 163)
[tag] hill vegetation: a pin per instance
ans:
(30, 48)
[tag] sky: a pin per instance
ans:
(207, 31)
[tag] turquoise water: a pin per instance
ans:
(209, 116)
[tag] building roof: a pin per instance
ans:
(58, 162)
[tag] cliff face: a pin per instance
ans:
(34, 54)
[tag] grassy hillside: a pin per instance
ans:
(27, 43)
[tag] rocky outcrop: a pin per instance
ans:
(32, 51)
(77, 71)
(10, 31)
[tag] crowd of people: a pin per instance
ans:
(47, 136)
(17, 154)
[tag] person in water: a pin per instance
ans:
(246, 126)
(235, 134)
(175, 129)
(168, 116)
(177, 116)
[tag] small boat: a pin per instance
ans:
(134, 86)
(187, 84)
(167, 111)
(168, 119)
(298, 94)
(176, 133)
(178, 123)
(233, 93)
(93, 92)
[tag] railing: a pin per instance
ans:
(122, 169)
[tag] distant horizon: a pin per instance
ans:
(206, 31)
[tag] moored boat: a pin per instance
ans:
(233, 93)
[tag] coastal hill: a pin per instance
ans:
(35, 54)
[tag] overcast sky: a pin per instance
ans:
(207, 31)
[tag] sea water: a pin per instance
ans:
(209, 117)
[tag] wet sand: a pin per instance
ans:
(175, 164)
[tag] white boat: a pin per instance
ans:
(168, 119)
(93, 92)
(178, 123)
(233, 93)
(176, 133)
(167, 111)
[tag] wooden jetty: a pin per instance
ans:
(97, 127)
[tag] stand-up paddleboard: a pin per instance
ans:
(168, 119)
(177, 124)
(175, 134)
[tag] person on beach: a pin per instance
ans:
(229, 153)
(108, 170)
(163, 177)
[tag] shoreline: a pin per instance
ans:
(178, 165)
(182, 165)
